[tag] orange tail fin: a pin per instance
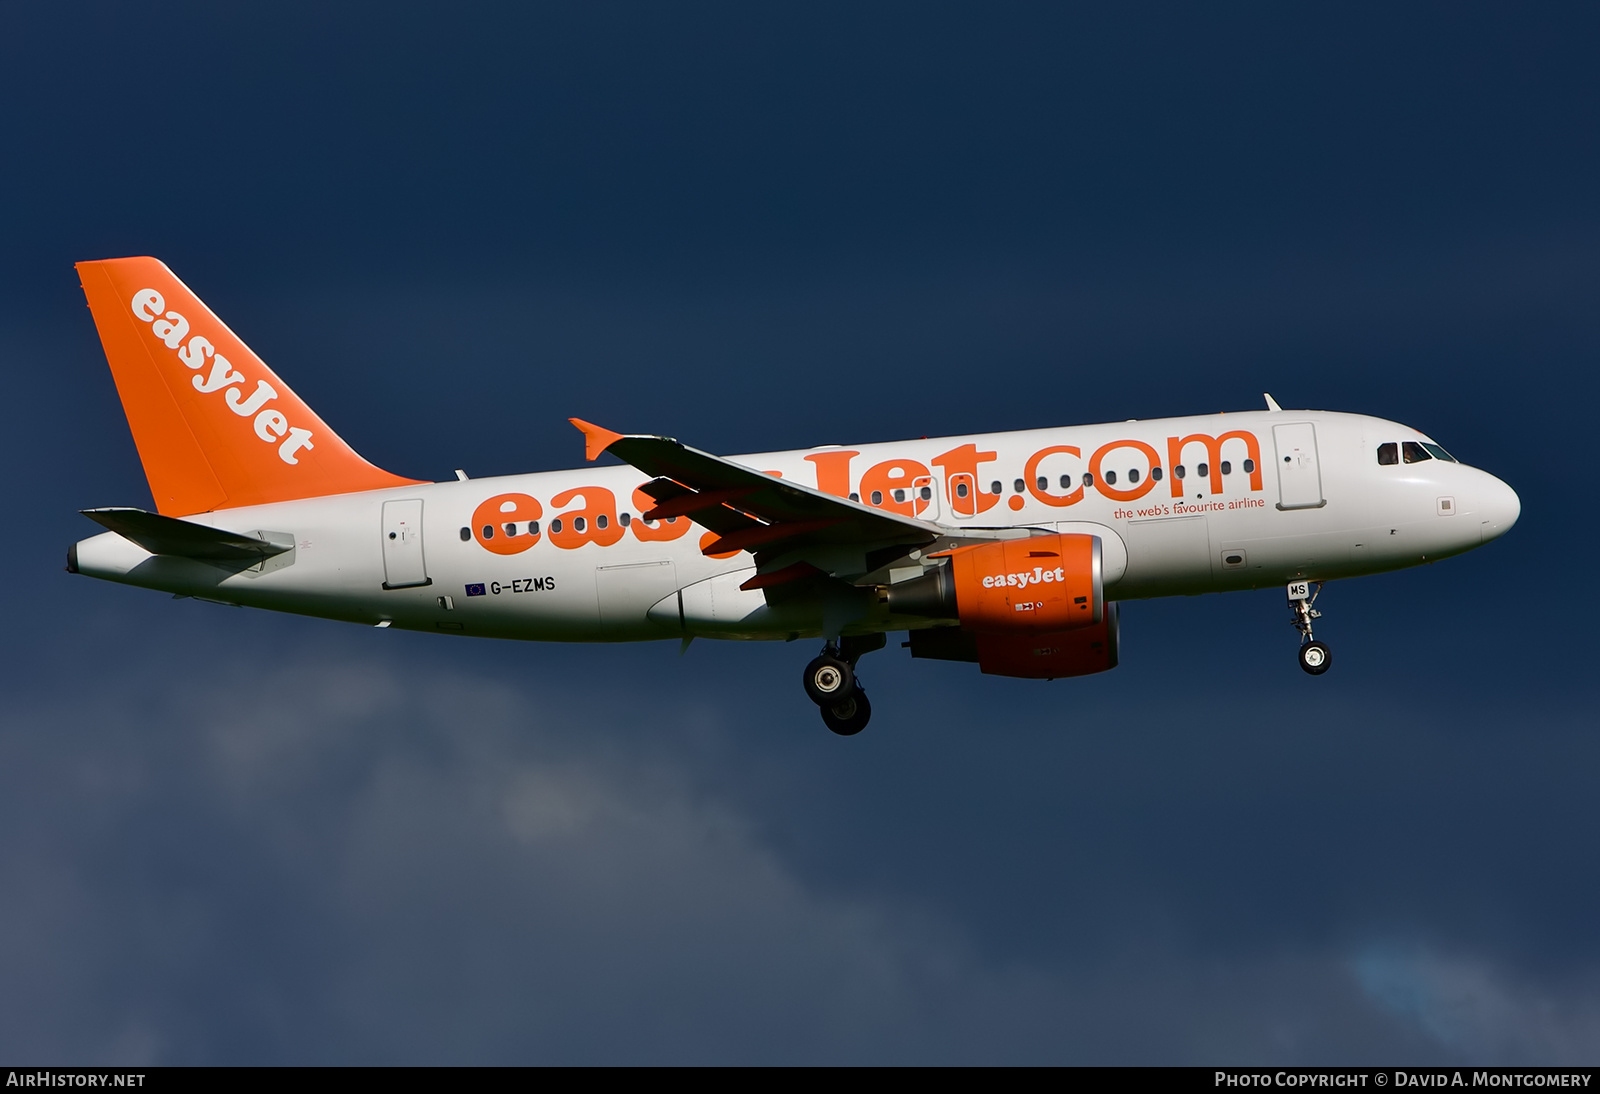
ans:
(215, 427)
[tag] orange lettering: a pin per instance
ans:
(885, 478)
(656, 531)
(1113, 492)
(833, 471)
(596, 522)
(707, 540)
(961, 469)
(1030, 474)
(495, 523)
(1176, 445)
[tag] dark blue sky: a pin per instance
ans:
(233, 837)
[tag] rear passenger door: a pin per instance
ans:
(403, 564)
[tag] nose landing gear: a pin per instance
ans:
(1315, 657)
(831, 683)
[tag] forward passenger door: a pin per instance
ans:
(1299, 474)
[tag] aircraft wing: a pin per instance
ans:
(792, 530)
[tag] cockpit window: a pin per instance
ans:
(1388, 453)
(1414, 452)
(1439, 453)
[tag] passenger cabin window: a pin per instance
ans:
(1044, 483)
(466, 534)
(1111, 478)
(1227, 467)
(1088, 479)
(1180, 471)
(1249, 467)
(1133, 476)
(1414, 452)
(1388, 453)
(899, 495)
(1018, 486)
(995, 488)
(877, 497)
(1066, 482)
(1155, 473)
(961, 489)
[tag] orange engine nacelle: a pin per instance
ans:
(1053, 654)
(1042, 583)
(1030, 607)
(1038, 655)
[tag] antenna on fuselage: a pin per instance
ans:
(1272, 404)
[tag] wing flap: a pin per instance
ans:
(707, 507)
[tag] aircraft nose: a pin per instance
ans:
(1498, 509)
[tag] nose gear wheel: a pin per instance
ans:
(1315, 657)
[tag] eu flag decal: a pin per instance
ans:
(475, 590)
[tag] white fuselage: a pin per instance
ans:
(1281, 495)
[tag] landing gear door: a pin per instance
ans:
(1299, 476)
(925, 495)
(403, 564)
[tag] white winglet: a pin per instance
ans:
(1272, 404)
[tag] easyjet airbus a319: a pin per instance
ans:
(1010, 550)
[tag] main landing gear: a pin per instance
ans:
(1315, 657)
(830, 681)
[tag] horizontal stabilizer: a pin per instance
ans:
(170, 536)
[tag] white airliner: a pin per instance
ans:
(1010, 550)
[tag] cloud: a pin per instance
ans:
(336, 857)
(1469, 1005)
(344, 863)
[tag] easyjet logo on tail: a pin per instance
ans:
(170, 329)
